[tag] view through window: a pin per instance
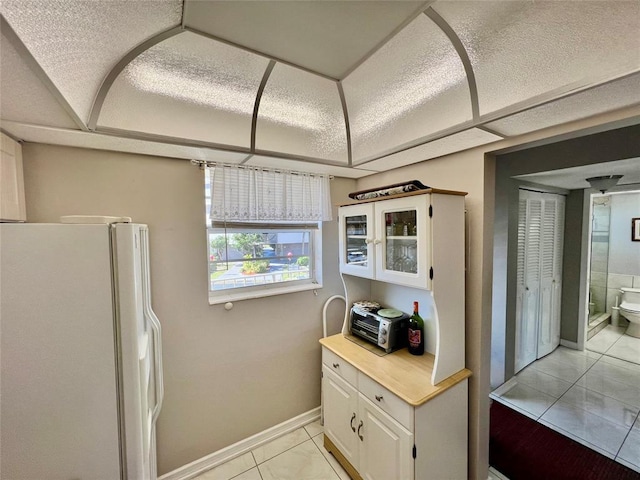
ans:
(260, 255)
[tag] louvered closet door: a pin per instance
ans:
(539, 274)
(529, 245)
(550, 274)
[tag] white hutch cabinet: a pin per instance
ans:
(399, 416)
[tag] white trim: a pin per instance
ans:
(212, 460)
(568, 344)
(496, 475)
(505, 387)
(260, 293)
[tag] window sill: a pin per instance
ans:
(261, 293)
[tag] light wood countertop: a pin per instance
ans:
(406, 375)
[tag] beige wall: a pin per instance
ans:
(228, 374)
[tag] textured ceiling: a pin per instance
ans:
(349, 87)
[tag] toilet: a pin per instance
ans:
(630, 309)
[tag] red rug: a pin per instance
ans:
(521, 449)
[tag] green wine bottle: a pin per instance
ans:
(416, 332)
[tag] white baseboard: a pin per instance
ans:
(214, 459)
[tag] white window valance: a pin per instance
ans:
(249, 194)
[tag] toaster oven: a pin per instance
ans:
(387, 333)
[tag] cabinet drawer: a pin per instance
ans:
(387, 401)
(340, 366)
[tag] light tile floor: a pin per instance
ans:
(592, 397)
(589, 396)
(298, 455)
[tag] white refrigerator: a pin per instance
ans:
(80, 352)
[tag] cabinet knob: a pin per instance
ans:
(377, 241)
(359, 427)
(352, 419)
(336, 365)
(379, 398)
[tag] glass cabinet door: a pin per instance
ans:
(401, 241)
(356, 240)
(403, 249)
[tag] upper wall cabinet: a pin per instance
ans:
(395, 240)
(12, 205)
(388, 240)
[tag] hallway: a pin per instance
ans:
(591, 396)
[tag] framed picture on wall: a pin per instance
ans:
(635, 229)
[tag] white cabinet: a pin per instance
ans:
(12, 206)
(386, 447)
(416, 432)
(340, 407)
(388, 240)
(376, 445)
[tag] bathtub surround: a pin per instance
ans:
(624, 255)
(601, 215)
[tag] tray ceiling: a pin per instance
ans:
(354, 86)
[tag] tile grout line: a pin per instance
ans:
(592, 413)
(570, 387)
(284, 451)
(627, 436)
(576, 384)
(325, 458)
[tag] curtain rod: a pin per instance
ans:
(205, 163)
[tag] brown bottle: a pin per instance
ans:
(416, 332)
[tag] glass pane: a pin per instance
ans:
(77, 42)
(412, 87)
(240, 259)
(519, 50)
(301, 114)
(356, 228)
(209, 86)
(401, 250)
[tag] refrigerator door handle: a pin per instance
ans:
(155, 325)
(157, 342)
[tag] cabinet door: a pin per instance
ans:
(386, 447)
(12, 206)
(357, 239)
(340, 407)
(403, 256)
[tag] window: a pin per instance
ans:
(264, 233)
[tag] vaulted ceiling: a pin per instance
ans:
(342, 87)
